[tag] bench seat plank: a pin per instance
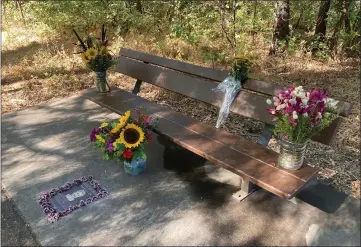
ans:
(247, 159)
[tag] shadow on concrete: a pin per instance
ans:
(322, 197)
(47, 145)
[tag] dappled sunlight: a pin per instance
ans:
(162, 206)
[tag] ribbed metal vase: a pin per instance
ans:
(291, 154)
(101, 82)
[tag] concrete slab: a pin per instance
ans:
(14, 230)
(47, 145)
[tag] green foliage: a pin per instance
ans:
(216, 23)
(304, 130)
(213, 56)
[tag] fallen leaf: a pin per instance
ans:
(327, 173)
(356, 188)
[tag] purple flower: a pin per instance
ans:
(103, 129)
(316, 95)
(109, 144)
(93, 134)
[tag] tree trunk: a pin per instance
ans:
(320, 30)
(299, 19)
(344, 8)
(345, 11)
(139, 6)
(281, 30)
(334, 38)
(254, 21)
(21, 11)
(229, 33)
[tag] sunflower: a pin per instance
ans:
(84, 58)
(91, 53)
(131, 136)
(122, 122)
(124, 119)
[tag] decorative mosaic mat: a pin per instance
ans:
(65, 199)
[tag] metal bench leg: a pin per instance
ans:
(295, 200)
(247, 189)
(266, 135)
(136, 88)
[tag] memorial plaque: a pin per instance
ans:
(65, 199)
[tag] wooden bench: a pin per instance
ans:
(253, 162)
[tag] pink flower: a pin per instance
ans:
(147, 121)
(271, 111)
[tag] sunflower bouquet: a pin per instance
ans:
(125, 139)
(96, 56)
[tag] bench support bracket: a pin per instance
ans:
(136, 88)
(247, 189)
(266, 135)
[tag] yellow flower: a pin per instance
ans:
(238, 60)
(103, 51)
(115, 146)
(105, 124)
(99, 138)
(116, 129)
(122, 122)
(84, 58)
(131, 136)
(91, 53)
(124, 119)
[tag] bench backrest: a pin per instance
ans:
(197, 82)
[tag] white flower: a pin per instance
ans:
(305, 101)
(293, 101)
(332, 104)
(305, 114)
(269, 101)
(294, 115)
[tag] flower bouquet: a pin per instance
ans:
(231, 85)
(95, 55)
(299, 115)
(125, 140)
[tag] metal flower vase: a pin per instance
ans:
(135, 167)
(291, 154)
(101, 83)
